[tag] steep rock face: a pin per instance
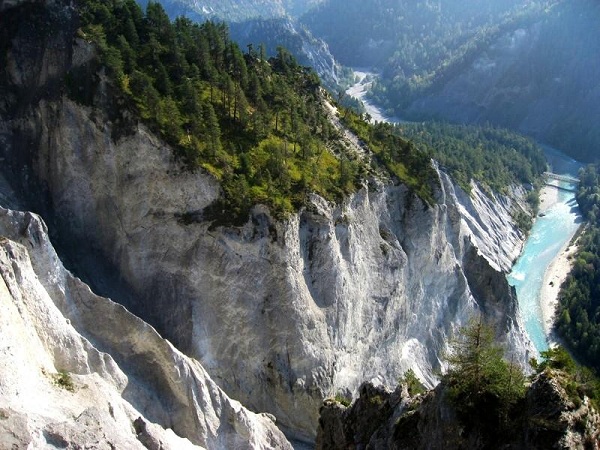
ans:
(281, 314)
(79, 369)
(382, 419)
(305, 47)
(238, 10)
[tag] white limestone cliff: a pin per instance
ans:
(79, 370)
(281, 314)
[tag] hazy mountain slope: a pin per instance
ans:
(237, 10)
(541, 80)
(404, 37)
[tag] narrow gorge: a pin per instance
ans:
(281, 314)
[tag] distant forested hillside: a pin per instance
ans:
(540, 78)
(415, 44)
(530, 66)
(407, 38)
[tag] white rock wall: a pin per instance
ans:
(282, 314)
(131, 388)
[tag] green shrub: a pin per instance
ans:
(63, 379)
(343, 400)
(413, 383)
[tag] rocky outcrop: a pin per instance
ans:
(281, 314)
(382, 419)
(560, 418)
(78, 369)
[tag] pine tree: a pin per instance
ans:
(213, 131)
(479, 377)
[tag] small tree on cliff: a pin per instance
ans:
(481, 383)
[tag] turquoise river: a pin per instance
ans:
(550, 234)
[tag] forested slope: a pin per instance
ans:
(258, 125)
(495, 157)
(578, 311)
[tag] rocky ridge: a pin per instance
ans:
(281, 314)
(79, 369)
(549, 418)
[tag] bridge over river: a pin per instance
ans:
(564, 178)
